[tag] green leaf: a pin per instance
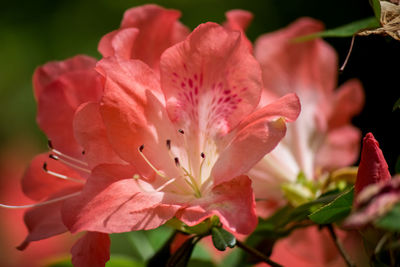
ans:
(334, 211)
(222, 238)
(64, 262)
(141, 244)
(396, 105)
(122, 261)
(376, 6)
(390, 221)
(345, 30)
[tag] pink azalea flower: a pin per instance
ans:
(375, 191)
(60, 88)
(146, 31)
(311, 247)
(188, 137)
(322, 138)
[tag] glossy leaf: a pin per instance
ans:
(376, 6)
(345, 30)
(390, 221)
(334, 211)
(222, 238)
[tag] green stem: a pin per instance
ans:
(257, 253)
(340, 247)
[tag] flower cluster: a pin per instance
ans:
(173, 125)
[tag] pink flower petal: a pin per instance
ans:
(92, 249)
(111, 202)
(290, 66)
(373, 167)
(158, 28)
(37, 184)
(51, 71)
(210, 81)
(226, 200)
(134, 114)
(45, 221)
(348, 102)
(257, 135)
(340, 148)
(239, 20)
(90, 132)
(118, 43)
(58, 102)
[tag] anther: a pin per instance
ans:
(141, 148)
(49, 144)
(45, 166)
(176, 162)
(83, 152)
(181, 131)
(168, 144)
(53, 157)
(202, 155)
(61, 176)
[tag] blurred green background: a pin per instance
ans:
(34, 32)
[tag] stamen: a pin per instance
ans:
(149, 163)
(203, 156)
(61, 176)
(55, 151)
(181, 131)
(192, 182)
(40, 203)
(165, 185)
(69, 163)
(177, 162)
(83, 152)
(168, 144)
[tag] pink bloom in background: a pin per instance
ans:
(186, 137)
(322, 138)
(375, 190)
(312, 247)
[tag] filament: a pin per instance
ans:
(61, 176)
(55, 151)
(40, 203)
(69, 163)
(149, 163)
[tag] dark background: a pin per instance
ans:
(34, 32)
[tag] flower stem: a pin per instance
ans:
(257, 253)
(340, 247)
